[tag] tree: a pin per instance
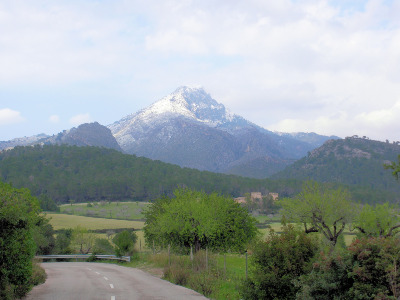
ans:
(277, 262)
(395, 167)
(102, 246)
(83, 239)
(125, 242)
(380, 221)
(19, 214)
(43, 235)
(320, 209)
(199, 220)
(63, 242)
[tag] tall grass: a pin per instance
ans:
(208, 278)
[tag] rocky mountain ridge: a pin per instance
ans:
(191, 129)
(88, 134)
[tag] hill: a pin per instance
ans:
(353, 161)
(81, 174)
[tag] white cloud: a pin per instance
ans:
(379, 124)
(80, 119)
(281, 64)
(9, 116)
(54, 118)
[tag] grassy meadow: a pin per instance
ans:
(63, 221)
(109, 210)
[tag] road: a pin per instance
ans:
(75, 280)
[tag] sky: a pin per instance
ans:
(330, 67)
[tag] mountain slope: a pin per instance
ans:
(23, 141)
(191, 129)
(80, 174)
(88, 134)
(352, 161)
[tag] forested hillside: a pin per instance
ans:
(357, 162)
(71, 173)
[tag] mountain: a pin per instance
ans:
(352, 161)
(309, 137)
(191, 129)
(89, 134)
(23, 141)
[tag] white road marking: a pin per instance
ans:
(112, 297)
(97, 273)
(89, 269)
(105, 278)
(111, 285)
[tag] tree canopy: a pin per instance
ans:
(320, 209)
(381, 220)
(395, 167)
(198, 219)
(19, 214)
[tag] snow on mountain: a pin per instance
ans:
(190, 103)
(23, 141)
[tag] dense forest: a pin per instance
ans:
(63, 174)
(79, 174)
(356, 162)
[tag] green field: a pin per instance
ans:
(60, 221)
(277, 227)
(109, 210)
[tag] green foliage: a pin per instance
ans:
(67, 174)
(395, 167)
(83, 239)
(375, 270)
(63, 242)
(102, 246)
(355, 162)
(47, 204)
(328, 279)
(125, 242)
(19, 213)
(38, 274)
(200, 220)
(277, 262)
(382, 220)
(43, 235)
(320, 209)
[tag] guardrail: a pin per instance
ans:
(83, 256)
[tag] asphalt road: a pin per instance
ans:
(75, 280)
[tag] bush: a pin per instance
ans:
(125, 242)
(277, 262)
(375, 268)
(102, 246)
(19, 214)
(38, 274)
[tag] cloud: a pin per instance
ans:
(281, 64)
(54, 118)
(379, 124)
(9, 116)
(80, 119)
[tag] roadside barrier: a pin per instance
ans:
(83, 256)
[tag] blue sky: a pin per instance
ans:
(331, 67)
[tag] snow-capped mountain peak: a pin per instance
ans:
(191, 106)
(189, 102)
(192, 103)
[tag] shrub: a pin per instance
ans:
(38, 274)
(277, 262)
(125, 242)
